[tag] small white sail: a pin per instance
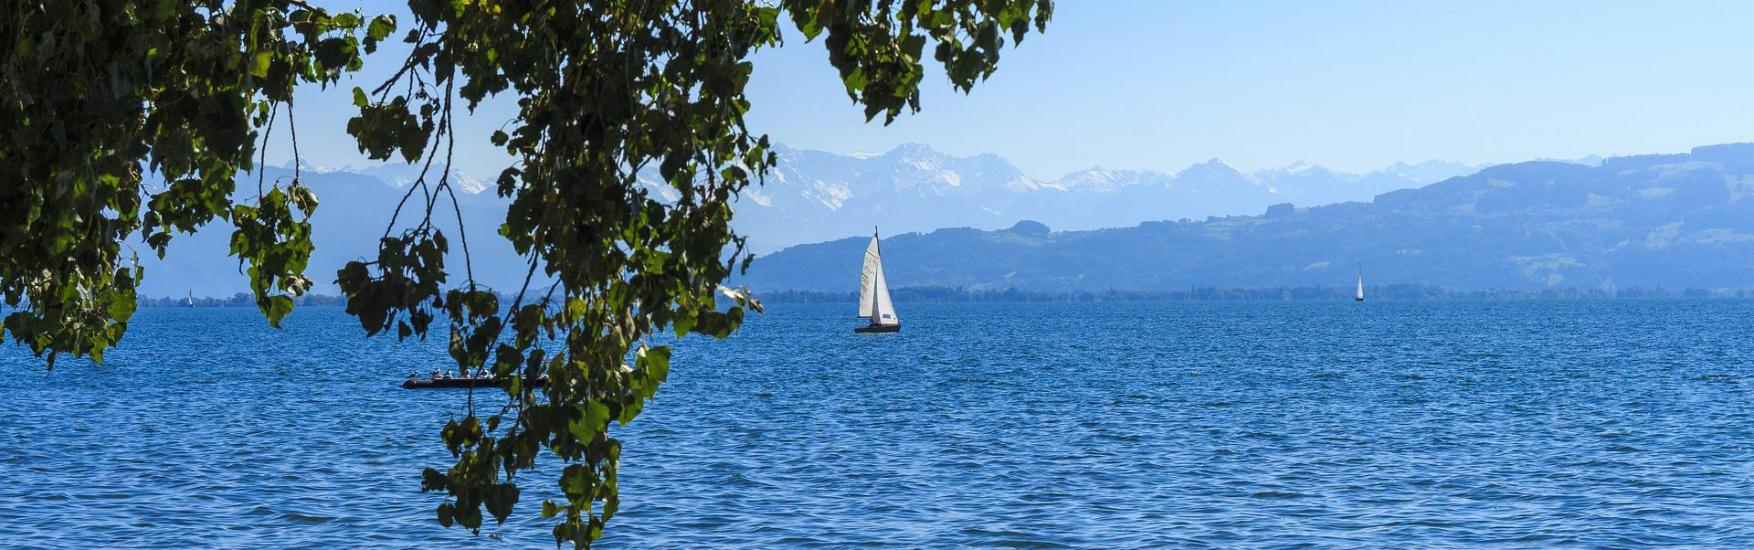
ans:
(868, 278)
(1360, 294)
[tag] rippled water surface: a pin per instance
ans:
(1028, 425)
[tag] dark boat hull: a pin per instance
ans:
(459, 382)
(867, 329)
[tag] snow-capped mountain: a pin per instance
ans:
(400, 175)
(814, 195)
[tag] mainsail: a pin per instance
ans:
(874, 303)
(1360, 295)
(868, 278)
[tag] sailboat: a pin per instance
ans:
(1359, 297)
(191, 302)
(874, 304)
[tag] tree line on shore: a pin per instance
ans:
(1398, 292)
(241, 299)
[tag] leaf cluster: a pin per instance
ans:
(100, 93)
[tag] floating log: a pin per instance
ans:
(439, 382)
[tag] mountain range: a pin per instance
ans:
(1676, 220)
(811, 196)
(1655, 220)
(814, 196)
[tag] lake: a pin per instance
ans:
(1537, 423)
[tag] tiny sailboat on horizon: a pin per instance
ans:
(874, 303)
(1359, 297)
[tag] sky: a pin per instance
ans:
(1160, 85)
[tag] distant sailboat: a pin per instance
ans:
(191, 298)
(874, 304)
(1360, 296)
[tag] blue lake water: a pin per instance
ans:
(1606, 423)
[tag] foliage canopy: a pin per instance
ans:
(99, 94)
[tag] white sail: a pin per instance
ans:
(1360, 295)
(885, 313)
(868, 278)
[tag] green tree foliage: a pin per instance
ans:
(99, 93)
(92, 93)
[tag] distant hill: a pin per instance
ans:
(1676, 221)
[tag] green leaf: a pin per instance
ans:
(591, 423)
(500, 500)
(346, 20)
(259, 64)
(276, 308)
(381, 27)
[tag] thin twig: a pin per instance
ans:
(450, 147)
(297, 161)
(262, 159)
(383, 90)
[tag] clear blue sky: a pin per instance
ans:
(1159, 85)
